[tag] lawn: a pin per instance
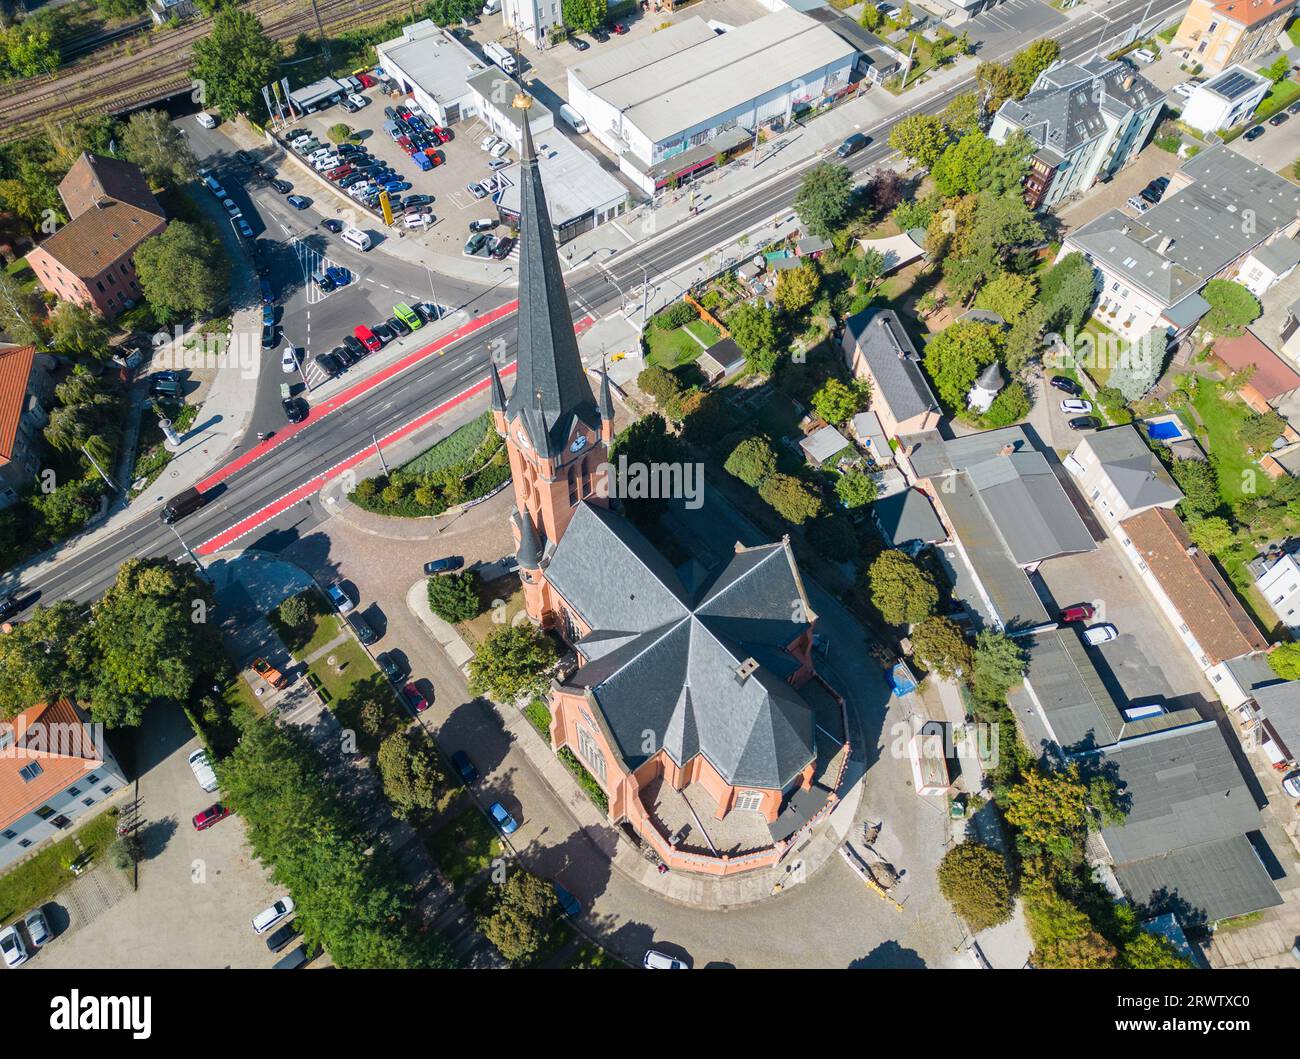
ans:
(464, 847)
(1104, 347)
(455, 448)
(1282, 94)
(303, 641)
(671, 349)
(355, 665)
(35, 881)
(1222, 419)
(239, 694)
(502, 600)
(1293, 32)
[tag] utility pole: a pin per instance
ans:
(380, 453)
(645, 296)
(188, 552)
(95, 463)
(324, 40)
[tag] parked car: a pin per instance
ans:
(341, 600)
(1136, 204)
(500, 150)
(414, 699)
(298, 202)
(295, 408)
(852, 145)
(502, 818)
(483, 224)
(1184, 89)
(600, 34)
(281, 937)
(619, 28)
(268, 336)
(13, 947)
(658, 961)
(417, 200)
(1066, 385)
(1279, 118)
(340, 276)
(1084, 423)
(1100, 634)
(38, 927)
(328, 363)
(488, 142)
(273, 916)
(416, 221)
(349, 106)
(568, 903)
(354, 346)
(372, 342)
(362, 628)
(383, 332)
(388, 666)
(1076, 406)
(358, 100)
(201, 766)
(1254, 134)
(499, 163)
(444, 566)
(477, 190)
(282, 186)
(289, 360)
(8, 607)
(578, 44)
(398, 327)
(1291, 784)
(344, 356)
(1144, 55)
(1077, 612)
(213, 814)
(464, 767)
(442, 135)
(478, 245)
(501, 247)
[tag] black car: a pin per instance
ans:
(354, 346)
(1084, 423)
(1148, 195)
(343, 355)
(295, 409)
(350, 179)
(502, 246)
(1279, 118)
(389, 666)
(278, 940)
(244, 157)
(328, 363)
(427, 313)
(8, 607)
(383, 331)
(852, 145)
(332, 225)
(1294, 108)
(464, 767)
(1065, 385)
(282, 186)
(1161, 183)
(600, 34)
(444, 566)
(362, 628)
(398, 327)
(578, 43)
(268, 336)
(1255, 133)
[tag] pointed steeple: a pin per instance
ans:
(530, 548)
(551, 388)
(498, 391)
(606, 405)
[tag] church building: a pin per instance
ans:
(682, 681)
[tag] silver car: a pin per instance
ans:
(38, 927)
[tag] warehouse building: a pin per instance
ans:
(675, 104)
(434, 68)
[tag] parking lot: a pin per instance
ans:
(453, 206)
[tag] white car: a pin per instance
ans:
(231, 208)
(1184, 89)
(1074, 406)
(202, 769)
(1138, 205)
(276, 914)
(289, 360)
(13, 947)
(38, 927)
(206, 120)
(1142, 55)
(417, 220)
(1099, 634)
(657, 961)
(360, 191)
(358, 99)
(500, 150)
(328, 161)
(487, 143)
(1291, 784)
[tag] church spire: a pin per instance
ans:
(551, 388)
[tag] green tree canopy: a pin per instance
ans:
(76, 330)
(752, 461)
(584, 15)
(1009, 295)
(796, 288)
(753, 327)
(1284, 660)
(511, 661)
(824, 196)
(183, 272)
(151, 141)
(999, 665)
(647, 441)
(520, 916)
(1232, 307)
(975, 880)
(836, 401)
(855, 488)
(454, 597)
(790, 498)
(833, 537)
(920, 137)
(1200, 485)
(1067, 292)
(412, 774)
(963, 114)
(904, 593)
(941, 646)
(957, 354)
(658, 383)
(234, 61)
(1031, 61)
(21, 313)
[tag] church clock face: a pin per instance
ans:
(523, 438)
(579, 443)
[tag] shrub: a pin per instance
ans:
(454, 597)
(676, 315)
(790, 498)
(752, 461)
(902, 591)
(855, 489)
(975, 881)
(660, 384)
(586, 780)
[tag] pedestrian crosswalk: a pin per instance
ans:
(312, 261)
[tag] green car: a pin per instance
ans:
(408, 316)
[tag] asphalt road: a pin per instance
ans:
(397, 401)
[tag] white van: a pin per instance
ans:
(490, 8)
(356, 237)
(1143, 55)
(202, 769)
(573, 118)
(205, 119)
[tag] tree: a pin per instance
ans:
(1009, 295)
(1005, 223)
(151, 141)
(234, 61)
(28, 49)
(295, 611)
(870, 18)
(584, 15)
(1028, 63)
(511, 661)
(995, 83)
(1024, 338)
(454, 597)
(1150, 952)
(939, 643)
(646, 441)
(1258, 432)
(1063, 935)
(74, 329)
(957, 354)
(659, 384)
(833, 537)
(752, 461)
(855, 489)
(790, 498)
(920, 137)
(1139, 365)
(823, 198)
(1278, 69)
(412, 774)
(520, 917)
(1067, 292)
(902, 592)
(964, 166)
(975, 881)
(963, 114)
(20, 311)
(88, 416)
(182, 271)
(998, 665)
(339, 133)
(1232, 307)
(754, 329)
(445, 12)
(796, 288)
(837, 402)
(1200, 485)
(1284, 660)
(884, 189)
(1053, 808)
(44, 658)
(870, 267)
(121, 8)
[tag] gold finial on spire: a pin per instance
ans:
(522, 100)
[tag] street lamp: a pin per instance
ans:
(188, 552)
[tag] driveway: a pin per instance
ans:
(197, 892)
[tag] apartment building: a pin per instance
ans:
(1218, 33)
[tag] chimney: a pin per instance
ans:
(1165, 245)
(1191, 551)
(745, 669)
(1006, 450)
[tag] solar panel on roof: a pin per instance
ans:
(1233, 84)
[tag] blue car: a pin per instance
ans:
(267, 296)
(504, 821)
(568, 903)
(268, 315)
(298, 202)
(341, 276)
(394, 186)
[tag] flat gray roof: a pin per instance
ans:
(441, 67)
(1218, 880)
(575, 182)
(1070, 693)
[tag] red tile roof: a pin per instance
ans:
(1204, 600)
(54, 737)
(15, 369)
(102, 236)
(1249, 12)
(94, 177)
(1272, 378)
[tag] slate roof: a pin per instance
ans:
(1204, 600)
(908, 516)
(1065, 108)
(663, 660)
(1188, 816)
(884, 344)
(1139, 477)
(1279, 704)
(551, 391)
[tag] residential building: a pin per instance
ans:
(675, 104)
(906, 520)
(1190, 842)
(1210, 620)
(90, 260)
(1277, 576)
(1237, 680)
(1268, 265)
(1270, 722)
(1120, 475)
(878, 350)
(1221, 33)
(533, 19)
(685, 704)
(1004, 510)
(1273, 385)
(54, 767)
(26, 395)
(1219, 208)
(1088, 121)
(1225, 100)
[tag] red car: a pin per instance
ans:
(417, 701)
(434, 156)
(443, 135)
(619, 28)
(368, 338)
(367, 80)
(1078, 612)
(211, 815)
(339, 173)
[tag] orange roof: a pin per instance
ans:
(1204, 600)
(1249, 12)
(56, 740)
(1272, 376)
(15, 369)
(94, 177)
(101, 236)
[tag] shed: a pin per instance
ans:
(721, 360)
(871, 436)
(821, 445)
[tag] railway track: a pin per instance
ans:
(120, 84)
